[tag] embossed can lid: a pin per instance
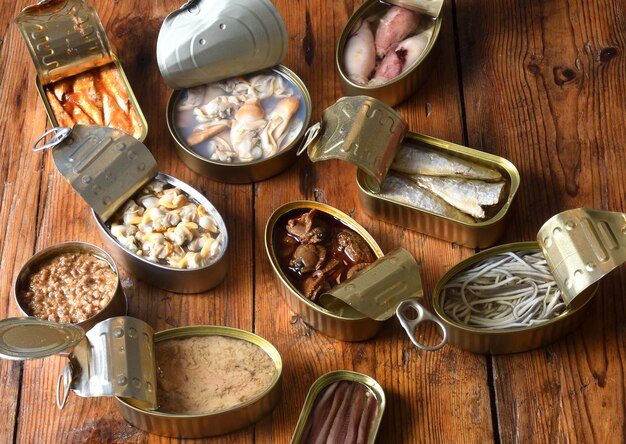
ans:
(104, 165)
(64, 38)
(205, 41)
(361, 130)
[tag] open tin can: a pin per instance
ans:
(116, 305)
(119, 357)
(236, 115)
(385, 48)
(79, 78)
(336, 278)
(161, 229)
(580, 247)
(365, 392)
(369, 134)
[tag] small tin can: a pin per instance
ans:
(374, 399)
(203, 425)
(201, 44)
(395, 90)
(65, 39)
(355, 327)
(107, 167)
(117, 302)
(511, 340)
(369, 134)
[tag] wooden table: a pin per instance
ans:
(541, 83)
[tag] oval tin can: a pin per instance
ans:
(188, 280)
(398, 89)
(242, 172)
(117, 304)
(511, 340)
(374, 390)
(357, 328)
(203, 425)
(480, 234)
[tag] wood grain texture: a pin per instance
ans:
(544, 88)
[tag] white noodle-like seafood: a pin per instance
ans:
(508, 290)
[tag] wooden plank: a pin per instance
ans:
(543, 87)
(429, 396)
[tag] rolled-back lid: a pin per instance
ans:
(431, 8)
(581, 246)
(210, 40)
(361, 130)
(104, 165)
(64, 38)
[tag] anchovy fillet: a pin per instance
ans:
(468, 196)
(425, 161)
(403, 190)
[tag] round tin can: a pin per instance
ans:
(398, 89)
(511, 340)
(354, 328)
(224, 421)
(242, 172)
(188, 280)
(117, 303)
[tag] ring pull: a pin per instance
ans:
(64, 385)
(60, 134)
(410, 325)
(309, 136)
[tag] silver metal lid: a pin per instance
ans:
(431, 8)
(205, 41)
(104, 165)
(32, 338)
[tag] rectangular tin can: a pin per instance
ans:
(472, 235)
(203, 425)
(396, 90)
(357, 328)
(511, 340)
(324, 381)
(49, 27)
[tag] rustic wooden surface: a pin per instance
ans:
(542, 83)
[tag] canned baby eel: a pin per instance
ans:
(60, 306)
(79, 78)
(364, 394)
(222, 421)
(236, 114)
(508, 340)
(350, 325)
(384, 82)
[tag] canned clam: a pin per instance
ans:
(236, 116)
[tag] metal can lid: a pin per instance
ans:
(582, 246)
(104, 165)
(32, 338)
(431, 8)
(361, 130)
(205, 41)
(64, 38)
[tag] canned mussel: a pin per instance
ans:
(70, 282)
(236, 115)
(521, 296)
(429, 185)
(341, 407)
(155, 378)
(335, 276)
(384, 50)
(161, 229)
(79, 78)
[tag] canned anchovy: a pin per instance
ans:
(313, 246)
(383, 50)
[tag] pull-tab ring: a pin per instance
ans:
(410, 325)
(60, 134)
(63, 385)
(309, 136)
